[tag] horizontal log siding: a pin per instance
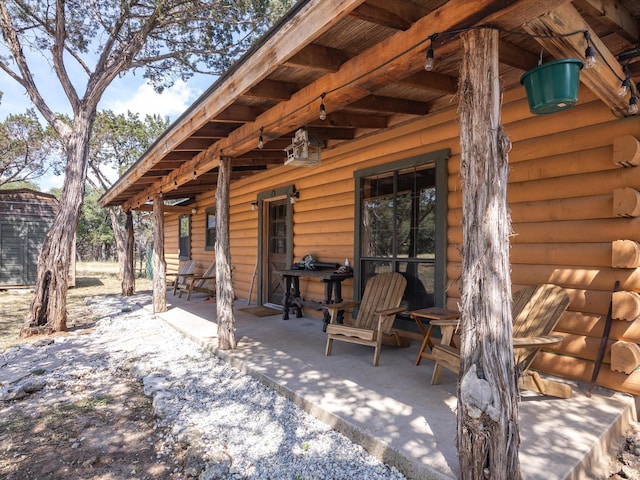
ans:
(560, 194)
(171, 243)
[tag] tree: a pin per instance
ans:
(117, 141)
(26, 149)
(488, 437)
(95, 239)
(89, 45)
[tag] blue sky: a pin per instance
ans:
(130, 92)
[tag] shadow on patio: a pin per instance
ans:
(392, 410)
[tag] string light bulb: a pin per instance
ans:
(589, 53)
(323, 111)
(428, 64)
(260, 139)
(624, 87)
(633, 105)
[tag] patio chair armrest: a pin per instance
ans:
(391, 311)
(212, 277)
(523, 342)
(340, 306)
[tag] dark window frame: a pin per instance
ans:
(439, 160)
(184, 241)
(209, 233)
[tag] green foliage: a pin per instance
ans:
(27, 150)
(94, 235)
(118, 140)
(164, 39)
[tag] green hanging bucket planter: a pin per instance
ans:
(553, 86)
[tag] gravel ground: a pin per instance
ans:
(212, 421)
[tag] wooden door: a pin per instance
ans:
(277, 231)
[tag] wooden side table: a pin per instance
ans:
(441, 317)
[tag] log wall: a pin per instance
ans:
(564, 176)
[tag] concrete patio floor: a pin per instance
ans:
(392, 410)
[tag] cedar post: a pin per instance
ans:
(158, 262)
(128, 271)
(224, 285)
(488, 435)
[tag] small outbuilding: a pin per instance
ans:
(25, 218)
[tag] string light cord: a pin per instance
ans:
(431, 39)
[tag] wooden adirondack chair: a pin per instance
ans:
(204, 283)
(536, 311)
(185, 270)
(378, 308)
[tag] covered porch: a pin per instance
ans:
(392, 410)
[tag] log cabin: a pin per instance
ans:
(370, 89)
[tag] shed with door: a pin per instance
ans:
(25, 218)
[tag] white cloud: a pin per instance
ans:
(144, 100)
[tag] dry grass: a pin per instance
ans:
(92, 279)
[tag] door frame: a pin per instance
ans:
(263, 200)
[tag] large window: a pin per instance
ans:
(210, 226)
(402, 226)
(184, 237)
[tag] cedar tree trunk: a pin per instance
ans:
(158, 262)
(488, 435)
(48, 312)
(128, 275)
(224, 286)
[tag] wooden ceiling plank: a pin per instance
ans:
(600, 79)
(613, 14)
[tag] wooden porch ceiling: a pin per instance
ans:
(367, 57)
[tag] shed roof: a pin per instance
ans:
(365, 59)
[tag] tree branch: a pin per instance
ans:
(26, 78)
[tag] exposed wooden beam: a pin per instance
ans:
(432, 81)
(379, 103)
(517, 57)
(397, 14)
(354, 120)
(600, 79)
(215, 130)
(272, 89)
(194, 144)
(259, 158)
(182, 156)
(318, 57)
(325, 133)
(613, 14)
(236, 114)
(147, 207)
